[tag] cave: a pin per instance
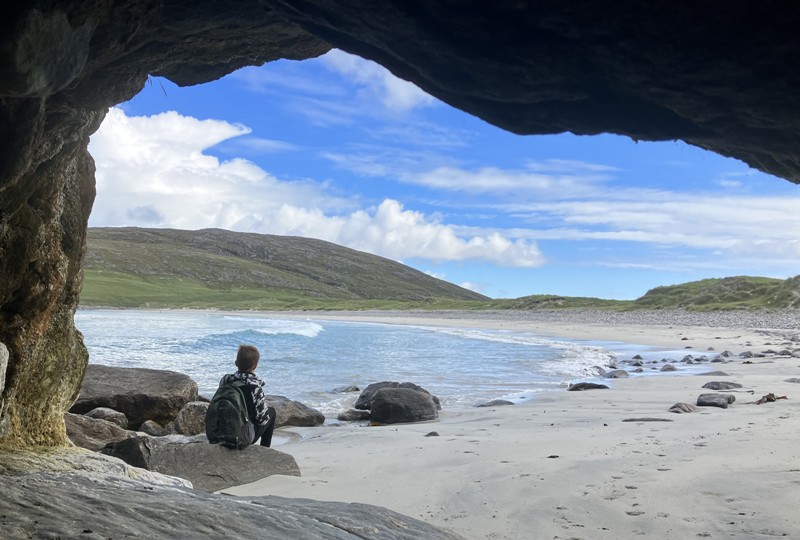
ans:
(717, 76)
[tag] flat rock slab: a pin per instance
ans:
(721, 385)
(209, 467)
(715, 400)
(647, 419)
(793, 380)
(70, 505)
(495, 403)
(141, 394)
(713, 374)
(581, 386)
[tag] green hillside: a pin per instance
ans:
(132, 267)
(740, 292)
(212, 268)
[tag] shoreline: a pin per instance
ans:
(573, 464)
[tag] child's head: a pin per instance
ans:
(247, 358)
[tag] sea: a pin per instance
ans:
(308, 359)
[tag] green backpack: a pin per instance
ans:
(227, 421)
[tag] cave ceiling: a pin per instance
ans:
(721, 76)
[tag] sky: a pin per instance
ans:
(339, 149)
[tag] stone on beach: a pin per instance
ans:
(668, 367)
(647, 419)
(721, 385)
(93, 433)
(401, 405)
(209, 467)
(364, 401)
(713, 374)
(346, 389)
(681, 408)
(578, 387)
(141, 394)
(104, 413)
(793, 380)
(191, 419)
(293, 413)
(495, 403)
(616, 374)
(715, 400)
(354, 415)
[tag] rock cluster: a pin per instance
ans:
(118, 402)
(390, 402)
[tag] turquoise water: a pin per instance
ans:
(306, 359)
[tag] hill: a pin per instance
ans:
(134, 267)
(739, 292)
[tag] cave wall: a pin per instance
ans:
(717, 75)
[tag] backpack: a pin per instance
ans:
(227, 421)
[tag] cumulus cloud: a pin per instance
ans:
(153, 172)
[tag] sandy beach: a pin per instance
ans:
(583, 465)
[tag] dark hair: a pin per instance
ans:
(247, 358)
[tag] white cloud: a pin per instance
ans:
(153, 172)
(377, 82)
(476, 287)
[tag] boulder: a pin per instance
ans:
(354, 415)
(721, 385)
(209, 467)
(346, 389)
(155, 429)
(294, 413)
(110, 415)
(579, 387)
(713, 374)
(495, 403)
(400, 405)
(616, 374)
(715, 400)
(141, 394)
(78, 505)
(93, 433)
(668, 367)
(364, 401)
(793, 380)
(681, 408)
(191, 419)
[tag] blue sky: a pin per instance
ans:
(339, 149)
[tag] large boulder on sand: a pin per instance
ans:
(364, 400)
(141, 394)
(715, 400)
(399, 405)
(294, 413)
(92, 433)
(209, 467)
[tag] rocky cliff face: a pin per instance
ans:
(719, 77)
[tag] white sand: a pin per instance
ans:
(565, 465)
